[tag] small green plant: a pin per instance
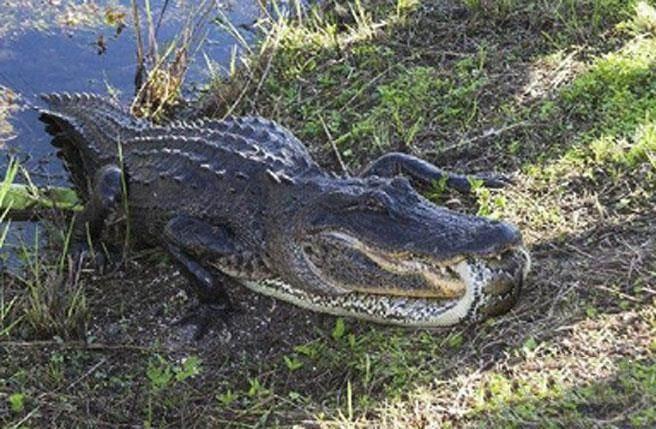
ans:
(490, 204)
(421, 97)
(311, 350)
(161, 373)
(56, 303)
(226, 398)
(17, 402)
(454, 340)
(339, 330)
(255, 388)
(292, 362)
(189, 367)
(8, 180)
(56, 368)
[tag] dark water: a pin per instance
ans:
(67, 59)
(34, 59)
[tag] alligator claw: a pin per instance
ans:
(100, 260)
(204, 317)
(83, 255)
(494, 180)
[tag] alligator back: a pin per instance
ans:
(218, 169)
(88, 130)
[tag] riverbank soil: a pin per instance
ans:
(560, 95)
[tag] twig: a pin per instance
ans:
(161, 16)
(267, 69)
(487, 134)
(86, 346)
(618, 293)
(338, 157)
(138, 78)
(43, 395)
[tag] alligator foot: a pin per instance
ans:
(491, 179)
(204, 317)
(105, 195)
(83, 255)
(102, 259)
(422, 173)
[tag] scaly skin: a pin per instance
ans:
(241, 201)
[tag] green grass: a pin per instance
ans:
(623, 396)
(47, 304)
(618, 91)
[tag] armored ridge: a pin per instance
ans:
(240, 201)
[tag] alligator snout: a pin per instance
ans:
(499, 280)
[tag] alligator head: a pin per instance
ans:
(375, 249)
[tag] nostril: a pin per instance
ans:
(509, 234)
(502, 235)
(309, 250)
(400, 182)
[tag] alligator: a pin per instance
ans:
(240, 201)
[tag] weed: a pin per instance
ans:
(618, 90)
(226, 398)
(7, 181)
(162, 376)
(255, 388)
(161, 373)
(339, 329)
(17, 402)
(292, 363)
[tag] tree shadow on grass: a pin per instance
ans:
(437, 80)
(624, 398)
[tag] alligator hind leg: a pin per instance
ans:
(190, 242)
(214, 303)
(104, 196)
(422, 173)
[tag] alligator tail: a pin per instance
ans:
(87, 130)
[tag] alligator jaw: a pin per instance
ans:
(440, 277)
(403, 275)
(485, 295)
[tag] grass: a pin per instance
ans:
(46, 299)
(560, 94)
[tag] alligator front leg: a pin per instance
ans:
(422, 173)
(193, 243)
(104, 196)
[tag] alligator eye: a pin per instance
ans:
(402, 183)
(376, 202)
(311, 250)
